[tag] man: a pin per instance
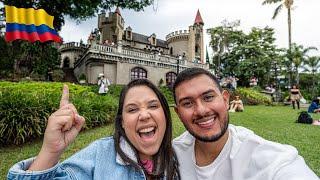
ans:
(213, 149)
(103, 83)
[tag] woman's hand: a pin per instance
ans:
(62, 128)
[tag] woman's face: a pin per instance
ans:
(143, 120)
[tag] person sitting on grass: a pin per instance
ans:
(314, 106)
(305, 118)
(236, 105)
(139, 149)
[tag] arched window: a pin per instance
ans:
(66, 62)
(170, 79)
(138, 73)
(171, 51)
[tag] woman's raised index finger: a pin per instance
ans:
(65, 96)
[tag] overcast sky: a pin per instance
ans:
(171, 15)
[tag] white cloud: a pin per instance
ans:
(172, 15)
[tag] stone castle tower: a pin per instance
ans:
(111, 27)
(188, 43)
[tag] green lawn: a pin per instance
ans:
(274, 123)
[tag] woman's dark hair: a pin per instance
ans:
(165, 160)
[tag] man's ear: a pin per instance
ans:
(226, 97)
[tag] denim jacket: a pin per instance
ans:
(97, 161)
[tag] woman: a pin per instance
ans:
(295, 96)
(236, 105)
(139, 149)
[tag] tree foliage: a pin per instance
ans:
(244, 55)
(24, 59)
(78, 10)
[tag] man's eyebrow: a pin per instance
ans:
(208, 92)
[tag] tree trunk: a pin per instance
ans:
(289, 36)
(313, 85)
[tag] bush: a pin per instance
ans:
(168, 94)
(250, 96)
(25, 107)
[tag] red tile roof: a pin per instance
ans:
(198, 19)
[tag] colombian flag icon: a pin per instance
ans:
(29, 24)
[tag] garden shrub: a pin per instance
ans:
(26, 106)
(250, 96)
(167, 92)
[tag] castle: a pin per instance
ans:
(123, 55)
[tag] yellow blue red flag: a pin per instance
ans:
(29, 24)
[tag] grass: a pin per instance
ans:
(275, 123)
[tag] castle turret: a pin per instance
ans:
(111, 27)
(195, 46)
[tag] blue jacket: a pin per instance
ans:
(97, 161)
(313, 106)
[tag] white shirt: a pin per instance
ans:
(244, 156)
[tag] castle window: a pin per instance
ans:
(153, 41)
(170, 79)
(197, 49)
(138, 73)
(66, 63)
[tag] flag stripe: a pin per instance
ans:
(28, 16)
(29, 28)
(32, 37)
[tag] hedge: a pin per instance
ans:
(25, 107)
(251, 96)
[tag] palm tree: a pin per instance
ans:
(299, 56)
(287, 4)
(312, 65)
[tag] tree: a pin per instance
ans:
(312, 65)
(30, 58)
(223, 38)
(78, 10)
(298, 55)
(288, 5)
(244, 55)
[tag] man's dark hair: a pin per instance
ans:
(189, 74)
(165, 160)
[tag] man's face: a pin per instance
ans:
(202, 108)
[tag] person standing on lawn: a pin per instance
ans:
(295, 96)
(211, 148)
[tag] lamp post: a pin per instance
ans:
(178, 62)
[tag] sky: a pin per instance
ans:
(166, 16)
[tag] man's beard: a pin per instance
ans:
(212, 138)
